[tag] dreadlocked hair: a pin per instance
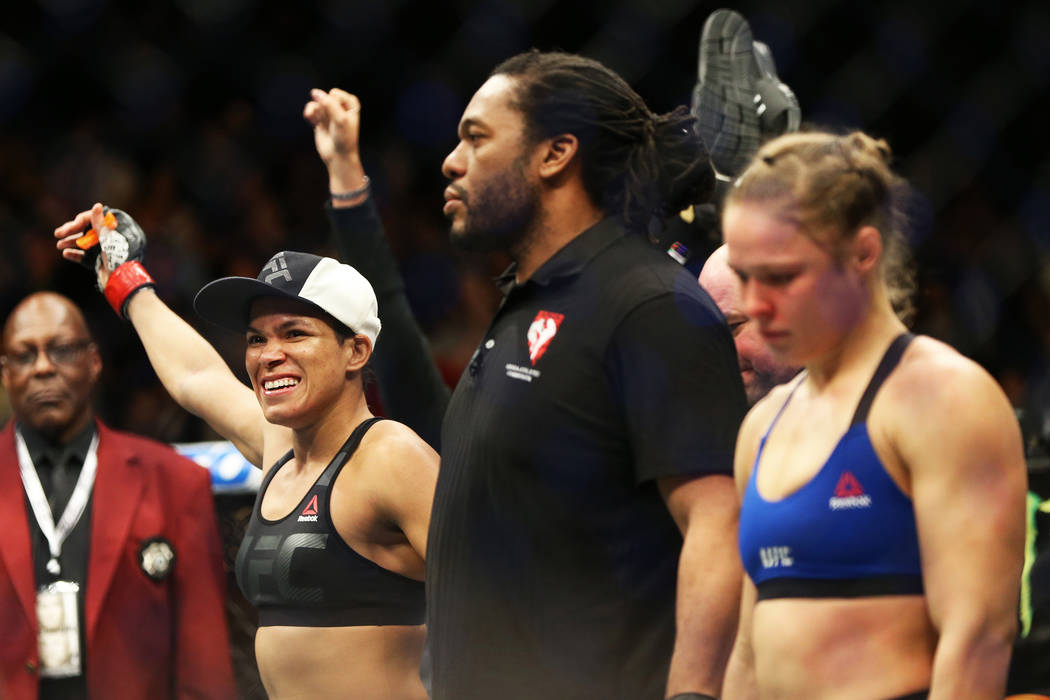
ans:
(634, 163)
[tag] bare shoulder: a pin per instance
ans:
(389, 446)
(398, 470)
(391, 465)
(935, 377)
(941, 403)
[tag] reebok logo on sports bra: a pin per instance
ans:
(849, 494)
(309, 514)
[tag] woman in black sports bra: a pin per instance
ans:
(883, 551)
(334, 554)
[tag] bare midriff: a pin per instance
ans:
(375, 663)
(878, 647)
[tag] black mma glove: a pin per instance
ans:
(124, 244)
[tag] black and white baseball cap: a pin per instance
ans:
(326, 284)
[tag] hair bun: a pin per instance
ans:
(680, 161)
(877, 148)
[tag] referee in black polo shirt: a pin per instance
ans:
(594, 427)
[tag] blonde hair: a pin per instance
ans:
(830, 186)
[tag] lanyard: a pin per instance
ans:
(56, 534)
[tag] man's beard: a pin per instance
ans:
(500, 215)
(765, 378)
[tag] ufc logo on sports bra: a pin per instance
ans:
(271, 562)
(773, 557)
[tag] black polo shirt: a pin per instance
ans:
(552, 558)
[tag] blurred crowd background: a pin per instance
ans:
(187, 114)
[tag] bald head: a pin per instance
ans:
(45, 307)
(758, 368)
(50, 365)
(718, 280)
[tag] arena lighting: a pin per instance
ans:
(231, 473)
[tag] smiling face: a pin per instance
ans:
(50, 366)
(298, 367)
(759, 369)
(802, 300)
(492, 199)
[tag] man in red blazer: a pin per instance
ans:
(111, 578)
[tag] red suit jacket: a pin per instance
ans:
(145, 639)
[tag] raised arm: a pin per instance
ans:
(187, 365)
(960, 442)
(197, 377)
(410, 384)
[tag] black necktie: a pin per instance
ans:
(60, 487)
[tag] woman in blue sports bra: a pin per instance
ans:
(882, 491)
(333, 556)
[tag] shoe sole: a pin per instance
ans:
(723, 99)
(739, 101)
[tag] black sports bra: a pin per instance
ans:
(299, 572)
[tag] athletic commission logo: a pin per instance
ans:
(541, 332)
(849, 494)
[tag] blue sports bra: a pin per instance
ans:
(298, 571)
(848, 532)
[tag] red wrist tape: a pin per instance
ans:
(123, 283)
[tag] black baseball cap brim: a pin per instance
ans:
(227, 302)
